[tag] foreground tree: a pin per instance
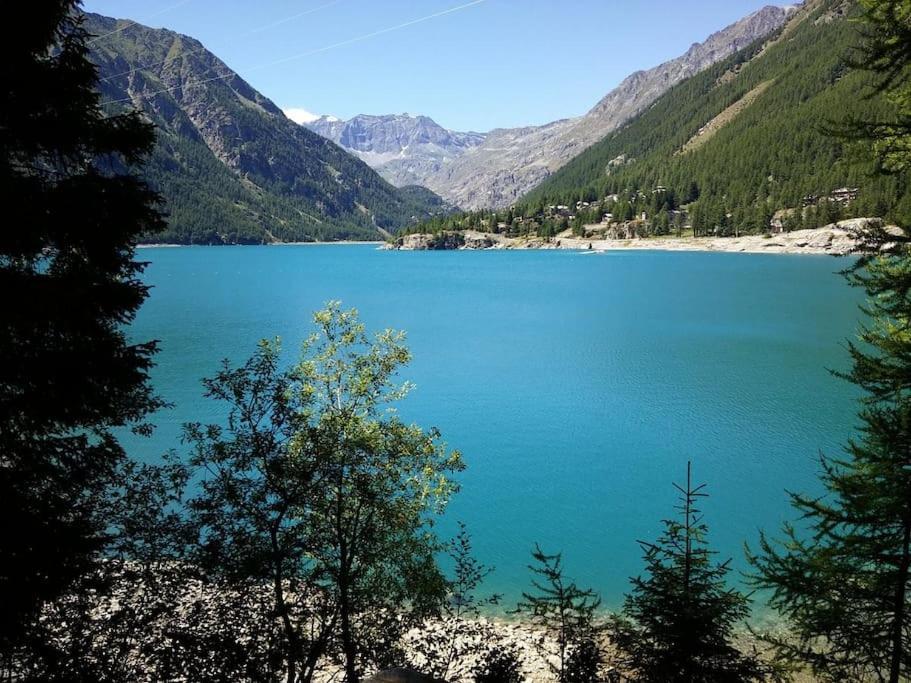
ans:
(677, 624)
(842, 577)
(559, 608)
(318, 489)
(885, 51)
(843, 582)
(68, 286)
(252, 514)
(381, 483)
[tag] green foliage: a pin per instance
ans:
(499, 665)
(677, 624)
(242, 173)
(73, 210)
(559, 607)
(842, 576)
(383, 478)
(885, 52)
(317, 488)
(843, 582)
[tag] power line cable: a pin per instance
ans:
(366, 36)
(202, 48)
(310, 53)
(279, 22)
(133, 23)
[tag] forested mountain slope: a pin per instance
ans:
(511, 161)
(747, 137)
(231, 166)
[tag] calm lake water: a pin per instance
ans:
(576, 385)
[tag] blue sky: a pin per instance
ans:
(492, 63)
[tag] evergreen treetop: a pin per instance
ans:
(677, 625)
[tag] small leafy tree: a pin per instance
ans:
(380, 482)
(313, 513)
(559, 607)
(677, 624)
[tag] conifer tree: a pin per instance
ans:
(842, 577)
(462, 636)
(69, 283)
(677, 624)
(559, 607)
(843, 583)
(885, 51)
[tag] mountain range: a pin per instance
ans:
(405, 149)
(732, 123)
(473, 170)
(230, 165)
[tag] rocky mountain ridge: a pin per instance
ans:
(512, 161)
(475, 171)
(402, 147)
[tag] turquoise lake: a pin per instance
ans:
(577, 385)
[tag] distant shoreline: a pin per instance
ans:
(170, 245)
(839, 239)
(835, 240)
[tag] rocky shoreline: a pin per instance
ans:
(171, 607)
(837, 239)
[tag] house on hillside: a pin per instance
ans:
(810, 200)
(844, 195)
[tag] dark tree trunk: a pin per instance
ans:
(281, 606)
(348, 645)
(898, 623)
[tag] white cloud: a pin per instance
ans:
(299, 115)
